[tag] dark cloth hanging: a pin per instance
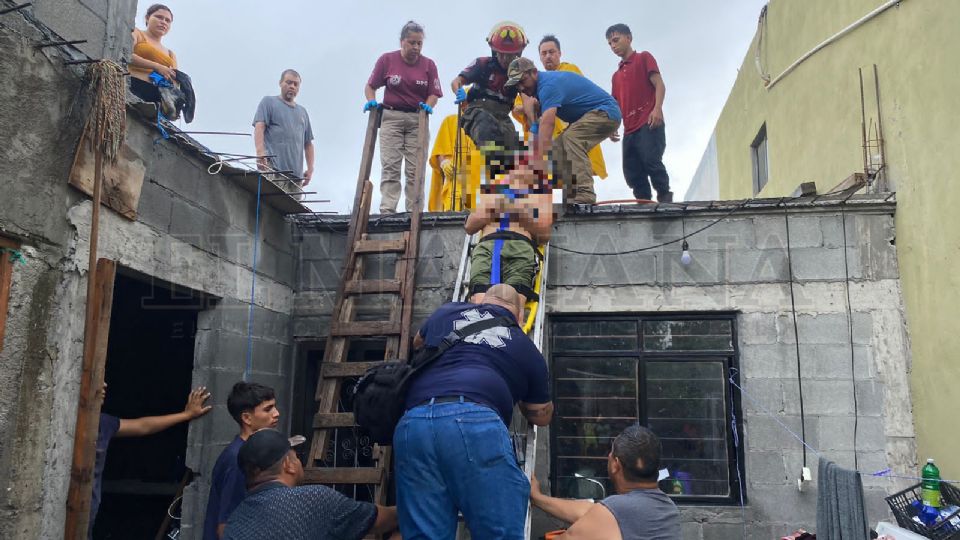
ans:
(841, 513)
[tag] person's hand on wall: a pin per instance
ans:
(196, 406)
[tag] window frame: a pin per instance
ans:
(761, 139)
(732, 404)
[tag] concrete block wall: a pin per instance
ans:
(742, 265)
(194, 230)
(321, 251)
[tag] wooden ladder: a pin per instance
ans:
(337, 368)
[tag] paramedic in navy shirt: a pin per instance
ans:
(452, 446)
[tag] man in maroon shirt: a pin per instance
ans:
(411, 83)
(639, 89)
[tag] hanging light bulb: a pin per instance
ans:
(685, 258)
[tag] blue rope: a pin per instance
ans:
(736, 453)
(883, 473)
(253, 284)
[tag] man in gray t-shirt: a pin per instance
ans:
(282, 130)
(639, 510)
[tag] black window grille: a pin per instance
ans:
(667, 372)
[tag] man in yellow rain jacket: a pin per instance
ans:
(550, 58)
(443, 162)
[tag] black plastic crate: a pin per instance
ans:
(902, 505)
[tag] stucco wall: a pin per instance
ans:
(814, 134)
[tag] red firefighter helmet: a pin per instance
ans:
(507, 37)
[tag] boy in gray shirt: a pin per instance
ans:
(638, 511)
(282, 130)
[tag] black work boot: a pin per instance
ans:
(666, 196)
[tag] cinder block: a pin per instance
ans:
(691, 531)
(726, 531)
(768, 361)
(836, 433)
(723, 236)
(820, 264)
(765, 395)
(766, 433)
(827, 398)
(311, 327)
(766, 467)
(320, 274)
(831, 228)
(870, 396)
(706, 267)
(754, 266)
(821, 361)
(862, 328)
(805, 232)
(770, 232)
(757, 328)
(825, 328)
(779, 502)
(582, 271)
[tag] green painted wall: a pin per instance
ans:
(814, 134)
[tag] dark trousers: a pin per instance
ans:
(643, 161)
(144, 90)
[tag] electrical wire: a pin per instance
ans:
(253, 284)
(670, 242)
(796, 333)
(853, 372)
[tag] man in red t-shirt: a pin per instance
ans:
(639, 89)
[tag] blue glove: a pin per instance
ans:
(426, 107)
(535, 128)
(461, 96)
(372, 104)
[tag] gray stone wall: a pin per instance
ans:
(194, 230)
(105, 24)
(739, 265)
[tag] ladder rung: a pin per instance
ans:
(339, 370)
(380, 246)
(373, 286)
(343, 475)
(365, 328)
(333, 420)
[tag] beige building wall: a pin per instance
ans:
(813, 124)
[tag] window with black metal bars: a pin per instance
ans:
(667, 372)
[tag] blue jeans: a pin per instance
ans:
(458, 456)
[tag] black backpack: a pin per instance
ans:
(378, 397)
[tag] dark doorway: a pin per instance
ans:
(148, 373)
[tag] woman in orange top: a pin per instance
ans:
(150, 55)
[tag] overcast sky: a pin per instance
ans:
(235, 50)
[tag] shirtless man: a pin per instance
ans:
(514, 215)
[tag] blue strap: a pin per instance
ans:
(495, 262)
(161, 117)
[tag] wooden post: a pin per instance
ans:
(100, 277)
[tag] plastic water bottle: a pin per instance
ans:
(930, 487)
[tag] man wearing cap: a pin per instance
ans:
(277, 507)
(550, 58)
(592, 114)
(453, 449)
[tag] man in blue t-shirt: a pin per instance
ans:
(452, 446)
(592, 113)
(254, 407)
